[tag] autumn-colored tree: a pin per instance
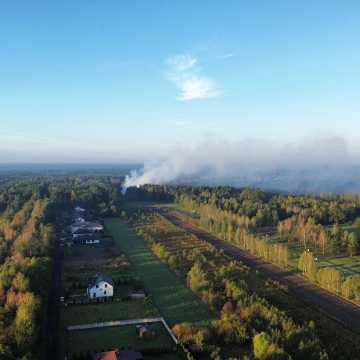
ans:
(20, 282)
(196, 278)
(307, 265)
(264, 348)
(330, 279)
(351, 288)
(352, 244)
(25, 321)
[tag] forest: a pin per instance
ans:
(288, 230)
(30, 221)
(291, 231)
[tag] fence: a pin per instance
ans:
(123, 323)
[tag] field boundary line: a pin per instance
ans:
(100, 325)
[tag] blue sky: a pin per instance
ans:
(126, 80)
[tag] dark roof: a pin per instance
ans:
(129, 355)
(118, 355)
(99, 278)
(108, 355)
(84, 237)
(84, 230)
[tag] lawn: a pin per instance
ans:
(108, 311)
(116, 337)
(345, 264)
(175, 301)
(75, 279)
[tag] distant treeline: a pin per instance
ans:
(260, 207)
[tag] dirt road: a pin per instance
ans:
(335, 307)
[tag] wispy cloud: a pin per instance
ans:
(184, 72)
(226, 56)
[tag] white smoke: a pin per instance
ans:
(249, 162)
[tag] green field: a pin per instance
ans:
(345, 264)
(175, 301)
(117, 337)
(108, 311)
(75, 280)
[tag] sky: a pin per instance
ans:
(124, 81)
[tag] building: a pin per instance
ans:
(138, 294)
(100, 286)
(82, 232)
(118, 355)
(145, 332)
(85, 239)
(86, 226)
(108, 355)
(129, 355)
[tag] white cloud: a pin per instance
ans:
(197, 87)
(182, 62)
(226, 56)
(184, 72)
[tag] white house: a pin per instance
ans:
(100, 286)
(79, 209)
(86, 226)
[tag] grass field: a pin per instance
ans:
(175, 301)
(99, 312)
(345, 264)
(124, 337)
(81, 263)
(75, 279)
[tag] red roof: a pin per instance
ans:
(109, 355)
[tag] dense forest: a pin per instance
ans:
(30, 222)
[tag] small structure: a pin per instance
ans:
(100, 286)
(137, 294)
(108, 355)
(129, 355)
(79, 209)
(144, 332)
(85, 240)
(118, 355)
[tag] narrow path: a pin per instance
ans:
(333, 306)
(53, 316)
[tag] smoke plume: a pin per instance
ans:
(311, 165)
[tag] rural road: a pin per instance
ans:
(335, 307)
(53, 313)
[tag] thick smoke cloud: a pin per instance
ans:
(311, 165)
